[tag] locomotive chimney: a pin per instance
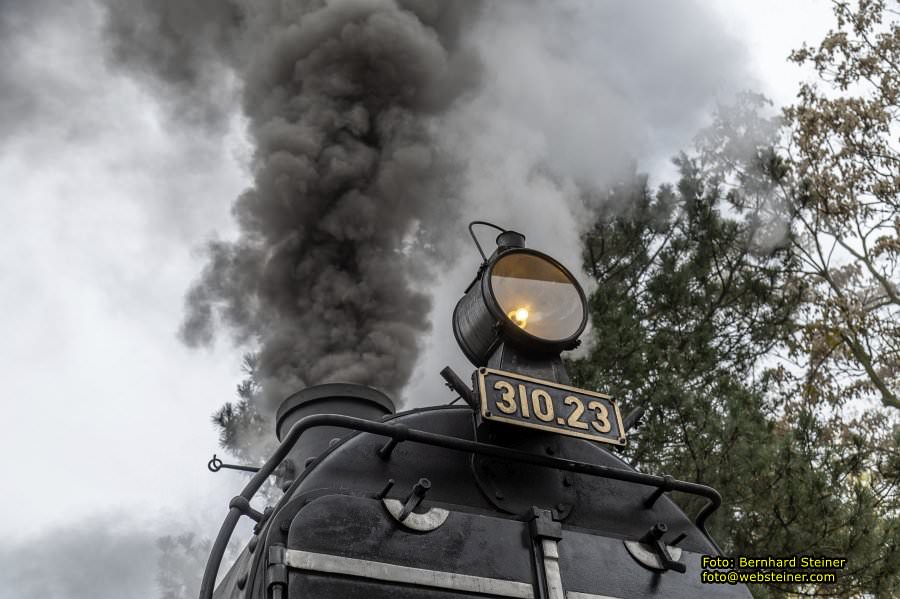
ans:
(347, 399)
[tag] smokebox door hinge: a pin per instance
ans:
(276, 573)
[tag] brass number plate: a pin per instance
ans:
(533, 403)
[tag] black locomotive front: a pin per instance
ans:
(511, 493)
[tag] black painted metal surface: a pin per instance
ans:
(332, 509)
(596, 564)
(472, 544)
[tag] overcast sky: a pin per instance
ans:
(103, 203)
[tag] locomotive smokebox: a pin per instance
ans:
(347, 399)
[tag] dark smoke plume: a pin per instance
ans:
(184, 50)
(349, 191)
(359, 116)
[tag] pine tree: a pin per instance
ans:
(699, 291)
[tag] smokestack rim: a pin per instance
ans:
(330, 391)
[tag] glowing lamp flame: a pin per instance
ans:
(519, 316)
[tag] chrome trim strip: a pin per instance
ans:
(551, 569)
(336, 564)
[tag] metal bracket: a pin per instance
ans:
(652, 553)
(546, 534)
(634, 419)
(668, 481)
(215, 464)
(415, 497)
(426, 522)
(456, 384)
(243, 505)
(402, 511)
(543, 526)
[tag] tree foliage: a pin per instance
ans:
(753, 309)
(845, 147)
(243, 431)
(695, 299)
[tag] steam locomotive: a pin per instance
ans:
(511, 493)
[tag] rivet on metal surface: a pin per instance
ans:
(242, 581)
(254, 541)
(498, 495)
(550, 450)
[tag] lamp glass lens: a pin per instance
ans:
(537, 296)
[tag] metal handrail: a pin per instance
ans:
(399, 432)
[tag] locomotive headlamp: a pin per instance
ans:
(521, 297)
(537, 295)
(520, 317)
